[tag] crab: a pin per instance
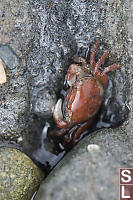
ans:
(87, 84)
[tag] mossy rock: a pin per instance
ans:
(19, 176)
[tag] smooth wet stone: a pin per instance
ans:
(89, 171)
(19, 176)
(8, 56)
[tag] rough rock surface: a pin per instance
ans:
(16, 24)
(19, 176)
(64, 29)
(15, 35)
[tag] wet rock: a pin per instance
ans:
(19, 176)
(8, 56)
(92, 172)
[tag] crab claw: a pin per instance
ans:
(58, 116)
(57, 113)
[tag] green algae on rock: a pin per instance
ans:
(19, 176)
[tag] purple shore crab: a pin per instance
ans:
(83, 99)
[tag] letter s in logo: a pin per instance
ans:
(126, 173)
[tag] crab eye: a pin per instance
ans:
(66, 85)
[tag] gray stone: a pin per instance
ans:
(15, 36)
(8, 56)
(42, 108)
(12, 109)
(91, 172)
(16, 25)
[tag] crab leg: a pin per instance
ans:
(60, 133)
(92, 56)
(73, 135)
(83, 127)
(100, 61)
(111, 67)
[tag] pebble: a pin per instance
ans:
(9, 57)
(93, 147)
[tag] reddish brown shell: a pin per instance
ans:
(83, 100)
